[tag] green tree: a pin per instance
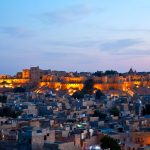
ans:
(9, 112)
(78, 95)
(88, 86)
(3, 99)
(19, 90)
(114, 111)
(101, 115)
(146, 110)
(108, 142)
(87, 89)
(99, 94)
(110, 72)
(98, 73)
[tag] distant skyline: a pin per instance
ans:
(74, 35)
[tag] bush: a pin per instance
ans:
(78, 95)
(146, 110)
(101, 115)
(108, 142)
(19, 90)
(99, 94)
(9, 112)
(114, 111)
(3, 99)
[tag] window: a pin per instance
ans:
(45, 137)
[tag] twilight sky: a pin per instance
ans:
(82, 35)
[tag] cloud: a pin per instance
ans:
(135, 52)
(75, 44)
(69, 57)
(116, 47)
(119, 45)
(20, 32)
(130, 30)
(125, 47)
(62, 55)
(67, 15)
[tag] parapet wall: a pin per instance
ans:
(77, 83)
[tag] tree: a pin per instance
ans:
(9, 112)
(101, 115)
(146, 110)
(87, 89)
(19, 90)
(98, 73)
(78, 95)
(114, 111)
(99, 94)
(108, 142)
(110, 72)
(3, 99)
(88, 86)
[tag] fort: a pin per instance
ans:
(125, 82)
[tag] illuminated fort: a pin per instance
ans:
(60, 80)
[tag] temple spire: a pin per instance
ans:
(131, 71)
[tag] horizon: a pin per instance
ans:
(81, 35)
(103, 71)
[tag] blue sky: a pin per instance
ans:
(82, 35)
